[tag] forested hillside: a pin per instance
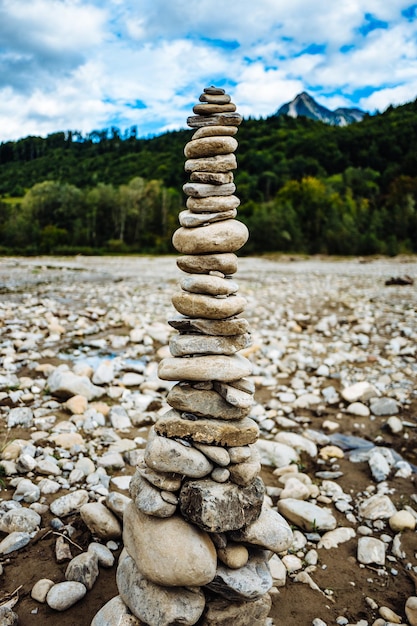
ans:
(304, 187)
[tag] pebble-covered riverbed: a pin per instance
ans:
(334, 364)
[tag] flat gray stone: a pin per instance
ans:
(203, 190)
(249, 582)
(221, 507)
(384, 406)
(168, 481)
(203, 264)
(210, 367)
(20, 519)
(307, 515)
(210, 431)
(188, 344)
(242, 398)
(148, 498)
(377, 507)
(225, 328)
(212, 178)
(188, 219)
(203, 403)
(219, 237)
(212, 204)
(210, 307)
(219, 163)
(209, 147)
(210, 108)
(218, 119)
(166, 455)
(210, 285)
(155, 604)
(211, 131)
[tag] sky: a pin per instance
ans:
(86, 65)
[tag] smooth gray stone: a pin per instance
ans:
(69, 503)
(270, 531)
(249, 582)
(371, 550)
(219, 237)
(154, 604)
(244, 473)
(83, 568)
(64, 384)
(211, 431)
(307, 515)
(188, 219)
(209, 147)
(148, 499)
(219, 163)
(214, 91)
(210, 108)
(162, 480)
(14, 541)
(217, 454)
(224, 612)
(200, 305)
(224, 328)
(234, 395)
(221, 507)
(218, 119)
(203, 403)
(166, 455)
(105, 557)
(215, 98)
(212, 178)
(170, 551)
(117, 503)
(115, 611)
(383, 406)
(20, 519)
(63, 595)
(210, 285)
(211, 131)
(203, 264)
(212, 204)
(202, 190)
(185, 345)
(209, 367)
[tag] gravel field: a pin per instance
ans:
(334, 365)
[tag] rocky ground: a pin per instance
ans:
(334, 365)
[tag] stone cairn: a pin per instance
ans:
(198, 534)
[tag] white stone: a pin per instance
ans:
(40, 589)
(101, 522)
(307, 515)
(21, 519)
(276, 454)
(377, 507)
(371, 550)
(333, 538)
(362, 391)
(292, 563)
(65, 384)
(278, 571)
(270, 531)
(115, 612)
(64, 595)
(300, 443)
(69, 503)
(358, 408)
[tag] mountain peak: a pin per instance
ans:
(304, 105)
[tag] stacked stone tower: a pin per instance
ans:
(197, 534)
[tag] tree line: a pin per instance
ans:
(304, 187)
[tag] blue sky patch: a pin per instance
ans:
(371, 23)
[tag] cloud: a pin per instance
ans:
(90, 64)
